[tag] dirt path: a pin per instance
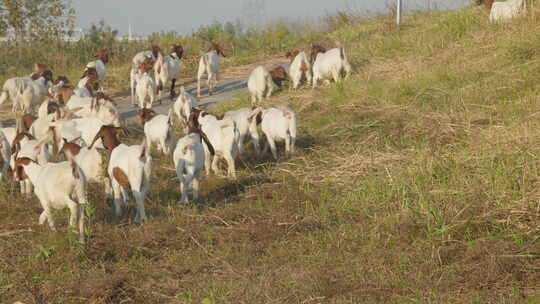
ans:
(233, 82)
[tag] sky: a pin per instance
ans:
(184, 16)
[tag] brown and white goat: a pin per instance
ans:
(209, 64)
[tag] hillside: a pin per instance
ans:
(415, 181)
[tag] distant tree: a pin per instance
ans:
(230, 28)
(36, 18)
(100, 32)
(100, 35)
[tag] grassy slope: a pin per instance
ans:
(415, 181)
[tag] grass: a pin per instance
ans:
(415, 181)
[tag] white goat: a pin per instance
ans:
(509, 9)
(157, 129)
(277, 123)
(223, 136)
(54, 90)
(189, 159)
(86, 86)
(24, 145)
(100, 106)
(148, 57)
(260, 84)
(331, 64)
(41, 128)
(167, 69)
(245, 124)
(300, 68)
(183, 104)
(49, 108)
(99, 64)
(54, 185)
(84, 129)
(209, 65)
(89, 160)
(146, 86)
(24, 91)
(129, 169)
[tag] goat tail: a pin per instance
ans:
(147, 170)
(304, 65)
(291, 118)
(292, 126)
(342, 53)
(80, 191)
(255, 112)
(79, 177)
(170, 117)
(180, 167)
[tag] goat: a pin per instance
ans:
(54, 184)
(89, 160)
(42, 129)
(243, 121)
(88, 83)
(487, 3)
(300, 68)
(277, 123)
(167, 68)
(129, 169)
(23, 91)
(209, 64)
(40, 68)
(315, 49)
(100, 106)
(261, 83)
(84, 128)
(26, 122)
(222, 134)
(501, 11)
(46, 108)
(154, 53)
(146, 87)
(61, 90)
(183, 104)
(189, 159)
(24, 145)
(99, 64)
(149, 57)
(331, 64)
(157, 128)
